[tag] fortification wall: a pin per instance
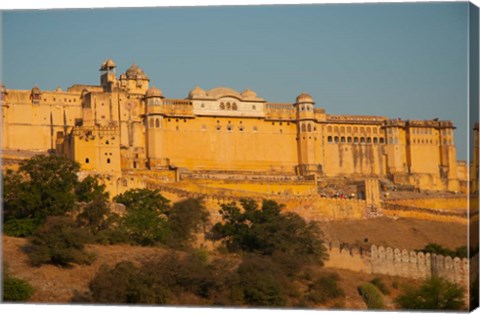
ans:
(397, 262)
(443, 203)
(400, 210)
(310, 207)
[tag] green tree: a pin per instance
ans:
(96, 215)
(434, 294)
(20, 199)
(184, 219)
(15, 289)
(55, 177)
(42, 187)
(90, 189)
(145, 221)
(143, 199)
(59, 241)
(268, 231)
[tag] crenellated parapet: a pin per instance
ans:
(397, 262)
(280, 112)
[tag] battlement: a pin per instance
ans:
(355, 119)
(397, 262)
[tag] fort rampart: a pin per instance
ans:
(397, 262)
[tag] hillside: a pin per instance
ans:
(60, 285)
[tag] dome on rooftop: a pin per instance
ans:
(219, 92)
(153, 92)
(107, 65)
(134, 72)
(249, 94)
(197, 92)
(305, 98)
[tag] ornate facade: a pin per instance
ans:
(123, 124)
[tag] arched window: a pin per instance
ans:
(336, 139)
(335, 129)
(329, 139)
(303, 128)
(342, 139)
(329, 129)
(362, 140)
(228, 106)
(374, 130)
(382, 140)
(355, 140)
(222, 106)
(309, 128)
(369, 140)
(157, 123)
(234, 106)
(349, 129)
(342, 129)
(355, 129)
(375, 140)
(151, 123)
(87, 160)
(368, 130)
(349, 139)
(108, 160)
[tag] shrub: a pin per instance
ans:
(324, 289)
(59, 242)
(377, 282)
(20, 227)
(14, 289)
(260, 282)
(371, 295)
(434, 294)
(126, 283)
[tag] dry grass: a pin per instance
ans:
(403, 233)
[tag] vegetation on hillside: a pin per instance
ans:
(372, 296)
(264, 256)
(15, 289)
(434, 294)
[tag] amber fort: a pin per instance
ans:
(125, 125)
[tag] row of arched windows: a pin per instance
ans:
(228, 106)
(355, 140)
(349, 129)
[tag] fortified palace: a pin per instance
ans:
(124, 125)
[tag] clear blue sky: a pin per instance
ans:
(406, 60)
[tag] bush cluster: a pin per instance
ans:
(372, 296)
(434, 294)
(15, 289)
(324, 289)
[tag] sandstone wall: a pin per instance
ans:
(397, 262)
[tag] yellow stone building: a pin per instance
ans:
(124, 125)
